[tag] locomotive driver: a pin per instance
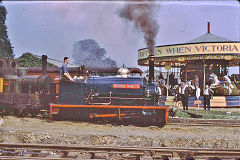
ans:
(64, 75)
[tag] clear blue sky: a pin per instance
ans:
(52, 27)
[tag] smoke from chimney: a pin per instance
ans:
(142, 15)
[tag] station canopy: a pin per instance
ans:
(206, 47)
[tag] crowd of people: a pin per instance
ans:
(183, 90)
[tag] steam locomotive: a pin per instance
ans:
(121, 98)
(22, 94)
(124, 98)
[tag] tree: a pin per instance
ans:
(87, 52)
(5, 45)
(29, 60)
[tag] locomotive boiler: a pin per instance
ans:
(20, 93)
(122, 97)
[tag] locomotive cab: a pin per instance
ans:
(10, 84)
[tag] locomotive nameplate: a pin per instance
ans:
(126, 86)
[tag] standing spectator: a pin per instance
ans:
(160, 76)
(191, 88)
(184, 95)
(171, 80)
(197, 96)
(207, 93)
(178, 97)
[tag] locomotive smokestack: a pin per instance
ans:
(208, 29)
(151, 68)
(44, 64)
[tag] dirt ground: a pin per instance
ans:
(44, 131)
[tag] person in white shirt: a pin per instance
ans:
(184, 95)
(198, 91)
(207, 93)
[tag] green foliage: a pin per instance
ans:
(182, 114)
(29, 60)
(5, 45)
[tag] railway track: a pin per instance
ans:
(60, 152)
(193, 122)
(186, 121)
(204, 122)
(196, 122)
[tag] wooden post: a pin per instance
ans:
(204, 75)
(168, 68)
(186, 72)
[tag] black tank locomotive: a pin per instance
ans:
(22, 94)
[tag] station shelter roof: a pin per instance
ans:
(209, 37)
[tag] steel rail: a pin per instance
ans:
(136, 151)
(204, 122)
(199, 124)
(237, 121)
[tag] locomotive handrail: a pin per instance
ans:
(126, 98)
(110, 100)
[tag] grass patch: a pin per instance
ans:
(209, 114)
(182, 114)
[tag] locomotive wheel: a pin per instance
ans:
(34, 114)
(19, 111)
(21, 114)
